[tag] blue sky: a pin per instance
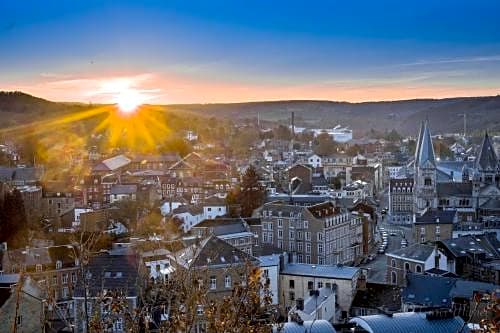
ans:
(208, 51)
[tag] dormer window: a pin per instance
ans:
(39, 267)
(58, 264)
(428, 182)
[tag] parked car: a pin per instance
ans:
(393, 233)
(381, 250)
(404, 242)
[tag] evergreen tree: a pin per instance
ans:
(251, 194)
(14, 223)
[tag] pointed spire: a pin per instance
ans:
(487, 159)
(426, 150)
(419, 141)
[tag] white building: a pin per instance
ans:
(314, 161)
(269, 265)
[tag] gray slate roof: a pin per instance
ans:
(437, 216)
(418, 252)
(325, 271)
(406, 322)
(426, 150)
(487, 159)
(454, 189)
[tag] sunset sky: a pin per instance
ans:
(229, 51)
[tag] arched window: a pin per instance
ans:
(407, 267)
(393, 263)
(418, 269)
(394, 278)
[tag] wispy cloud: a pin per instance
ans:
(477, 59)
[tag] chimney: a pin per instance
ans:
(300, 304)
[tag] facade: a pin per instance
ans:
(110, 271)
(318, 234)
(417, 258)
(434, 225)
(298, 280)
(401, 200)
(54, 267)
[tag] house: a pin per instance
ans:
(376, 298)
(214, 207)
(57, 266)
(57, 199)
(114, 277)
(314, 161)
(189, 215)
(473, 256)
(300, 178)
(416, 258)
(235, 231)
(28, 312)
(217, 265)
(121, 192)
(113, 164)
(298, 280)
(404, 322)
(319, 305)
(319, 234)
(426, 292)
(434, 225)
(270, 267)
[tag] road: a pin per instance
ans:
(377, 268)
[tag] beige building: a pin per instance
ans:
(434, 225)
(298, 280)
(318, 234)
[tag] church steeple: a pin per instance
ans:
(426, 157)
(419, 142)
(487, 159)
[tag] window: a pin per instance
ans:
(73, 277)
(306, 224)
(265, 273)
(38, 267)
(428, 182)
(308, 259)
(227, 281)
(280, 223)
(394, 279)
(438, 229)
(320, 236)
(393, 263)
(65, 292)
(291, 284)
(320, 248)
(280, 234)
(422, 230)
(291, 296)
(308, 247)
(308, 235)
(300, 247)
(320, 285)
(213, 282)
(321, 260)
(407, 267)
(292, 234)
(310, 285)
(118, 325)
(54, 280)
(65, 278)
(199, 310)
(418, 269)
(58, 264)
(280, 243)
(19, 320)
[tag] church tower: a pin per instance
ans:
(425, 175)
(487, 163)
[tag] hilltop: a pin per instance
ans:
(445, 115)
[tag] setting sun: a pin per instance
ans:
(128, 101)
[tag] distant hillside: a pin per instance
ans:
(445, 115)
(19, 108)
